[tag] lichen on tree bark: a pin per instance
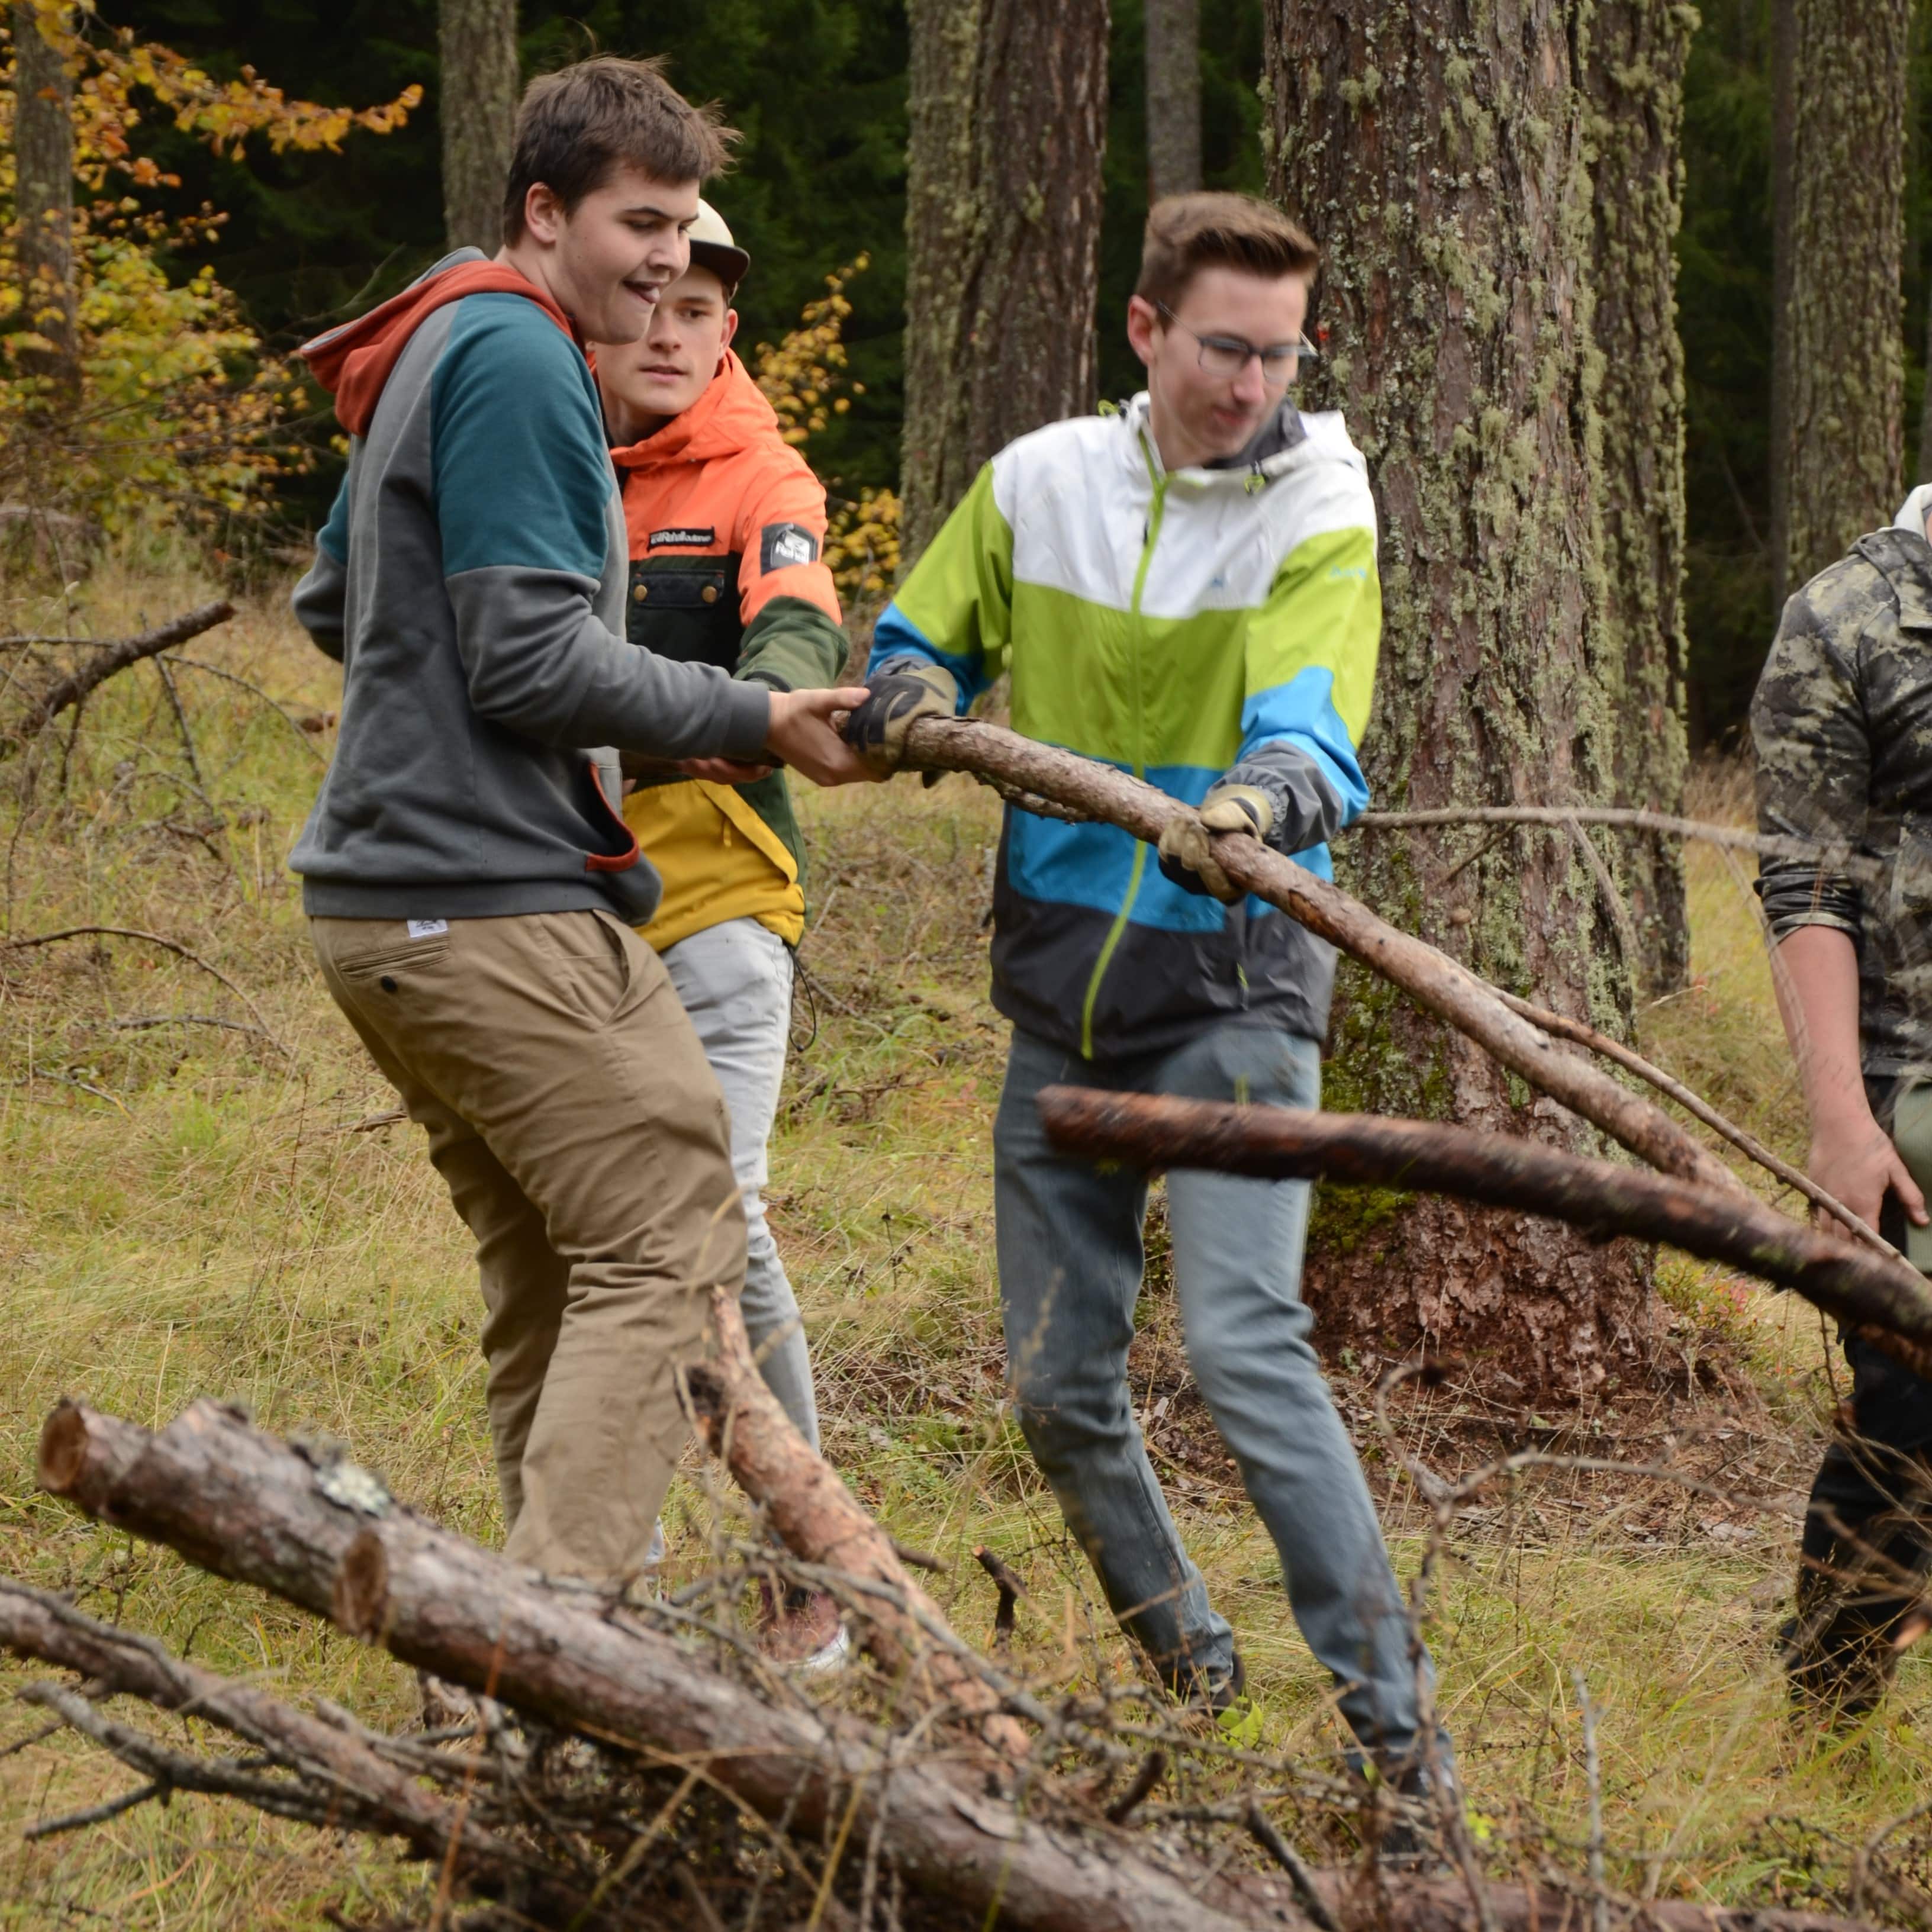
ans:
(1843, 91)
(476, 47)
(1008, 111)
(1635, 79)
(1440, 153)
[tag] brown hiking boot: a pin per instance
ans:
(803, 1630)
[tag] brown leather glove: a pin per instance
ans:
(1187, 845)
(877, 730)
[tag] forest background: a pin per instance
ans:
(819, 88)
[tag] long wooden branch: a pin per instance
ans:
(65, 692)
(1883, 1297)
(245, 1506)
(1435, 981)
(819, 1518)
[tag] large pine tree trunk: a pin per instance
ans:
(1637, 53)
(1173, 97)
(1009, 116)
(1840, 348)
(476, 48)
(44, 194)
(1438, 152)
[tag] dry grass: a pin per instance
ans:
(188, 1209)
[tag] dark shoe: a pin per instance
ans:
(1411, 1840)
(1839, 1655)
(804, 1631)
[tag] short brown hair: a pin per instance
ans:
(1188, 233)
(577, 126)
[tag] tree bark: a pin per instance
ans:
(43, 205)
(1637, 51)
(476, 53)
(1783, 46)
(1871, 1292)
(1173, 97)
(1008, 112)
(1440, 153)
(1039, 776)
(243, 1505)
(1840, 341)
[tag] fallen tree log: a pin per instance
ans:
(820, 1519)
(1442, 985)
(1886, 1299)
(330, 1539)
(110, 658)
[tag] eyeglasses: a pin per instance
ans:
(1227, 356)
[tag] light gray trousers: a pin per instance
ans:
(1069, 1236)
(735, 981)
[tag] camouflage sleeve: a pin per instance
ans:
(1813, 760)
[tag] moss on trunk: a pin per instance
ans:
(1440, 153)
(1009, 112)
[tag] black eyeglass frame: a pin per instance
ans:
(1291, 354)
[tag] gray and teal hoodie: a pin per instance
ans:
(471, 579)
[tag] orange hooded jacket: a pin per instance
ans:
(727, 527)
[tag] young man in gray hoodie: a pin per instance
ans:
(472, 893)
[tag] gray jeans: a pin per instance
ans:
(1069, 1236)
(735, 981)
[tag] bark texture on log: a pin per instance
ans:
(1008, 115)
(1173, 97)
(1440, 154)
(476, 107)
(1857, 1286)
(43, 205)
(1839, 347)
(239, 1504)
(1435, 981)
(818, 1518)
(1635, 71)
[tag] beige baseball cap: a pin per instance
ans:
(712, 247)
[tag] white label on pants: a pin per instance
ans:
(427, 929)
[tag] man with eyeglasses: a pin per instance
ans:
(1185, 587)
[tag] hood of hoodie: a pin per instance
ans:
(353, 362)
(730, 414)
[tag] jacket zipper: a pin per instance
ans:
(1112, 940)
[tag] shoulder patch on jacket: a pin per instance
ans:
(782, 545)
(687, 536)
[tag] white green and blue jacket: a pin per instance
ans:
(1187, 626)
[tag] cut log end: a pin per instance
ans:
(65, 1446)
(358, 1600)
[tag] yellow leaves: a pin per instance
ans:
(798, 376)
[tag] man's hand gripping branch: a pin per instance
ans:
(1187, 845)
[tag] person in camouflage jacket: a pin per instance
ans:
(1841, 725)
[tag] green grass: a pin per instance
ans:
(214, 1218)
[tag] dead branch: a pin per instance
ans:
(338, 1778)
(1435, 981)
(331, 1540)
(287, 717)
(818, 1516)
(75, 687)
(173, 945)
(1871, 1293)
(1840, 858)
(1583, 1034)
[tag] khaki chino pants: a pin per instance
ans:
(584, 1142)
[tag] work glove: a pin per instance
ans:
(902, 691)
(1187, 844)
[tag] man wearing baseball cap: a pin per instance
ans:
(727, 524)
